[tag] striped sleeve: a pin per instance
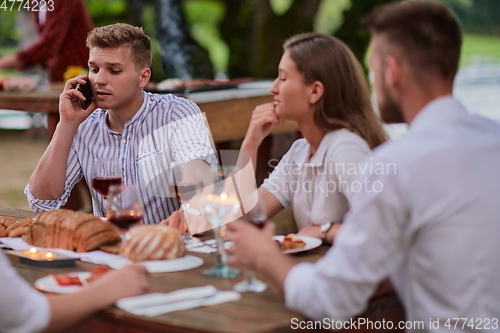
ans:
(73, 175)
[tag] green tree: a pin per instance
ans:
(352, 32)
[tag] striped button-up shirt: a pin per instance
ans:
(166, 130)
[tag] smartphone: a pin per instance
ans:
(86, 90)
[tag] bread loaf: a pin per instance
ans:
(70, 230)
(19, 228)
(3, 231)
(153, 242)
(6, 221)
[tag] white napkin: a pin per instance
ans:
(98, 257)
(157, 303)
(202, 246)
(15, 243)
(95, 257)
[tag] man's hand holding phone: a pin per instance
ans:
(76, 101)
(86, 90)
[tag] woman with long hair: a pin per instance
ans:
(320, 86)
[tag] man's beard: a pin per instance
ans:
(390, 110)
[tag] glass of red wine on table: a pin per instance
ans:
(124, 209)
(105, 172)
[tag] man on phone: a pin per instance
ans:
(433, 227)
(145, 133)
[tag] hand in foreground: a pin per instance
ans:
(251, 246)
(70, 108)
(263, 119)
(128, 281)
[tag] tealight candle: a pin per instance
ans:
(222, 199)
(36, 254)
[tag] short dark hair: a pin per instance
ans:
(121, 34)
(426, 32)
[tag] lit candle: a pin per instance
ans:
(223, 198)
(35, 254)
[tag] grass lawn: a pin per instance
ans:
(479, 46)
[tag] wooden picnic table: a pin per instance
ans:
(228, 111)
(255, 312)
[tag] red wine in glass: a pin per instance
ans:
(184, 191)
(102, 184)
(258, 223)
(125, 221)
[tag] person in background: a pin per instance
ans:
(143, 132)
(23, 309)
(63, 26)
(320, 86)
(434, 225)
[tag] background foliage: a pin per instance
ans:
(244, 37)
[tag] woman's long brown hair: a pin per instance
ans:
(346, 99)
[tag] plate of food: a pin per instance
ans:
(293, 243)
(162, 266)
(67, 283)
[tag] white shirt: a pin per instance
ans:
(434, 227)
(319, 190)
(165, 130)
(22, 309)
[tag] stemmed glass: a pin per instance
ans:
(258, 217)
(124, 209)
(219, 205)
(185, 191)
(105, 172)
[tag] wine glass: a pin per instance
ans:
(124, 209)
(219, 205)
(105, 172)
(258, 217)
(185, 191)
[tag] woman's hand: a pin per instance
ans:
(263, 119)
(70, 109)
(131, 280)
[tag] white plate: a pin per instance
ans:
(163, 266)
(49, 283)
(311, 243)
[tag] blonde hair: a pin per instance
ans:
(121, 34)
(346, 99)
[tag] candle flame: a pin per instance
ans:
(49, 255)
(223, 196)
(33, 250)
